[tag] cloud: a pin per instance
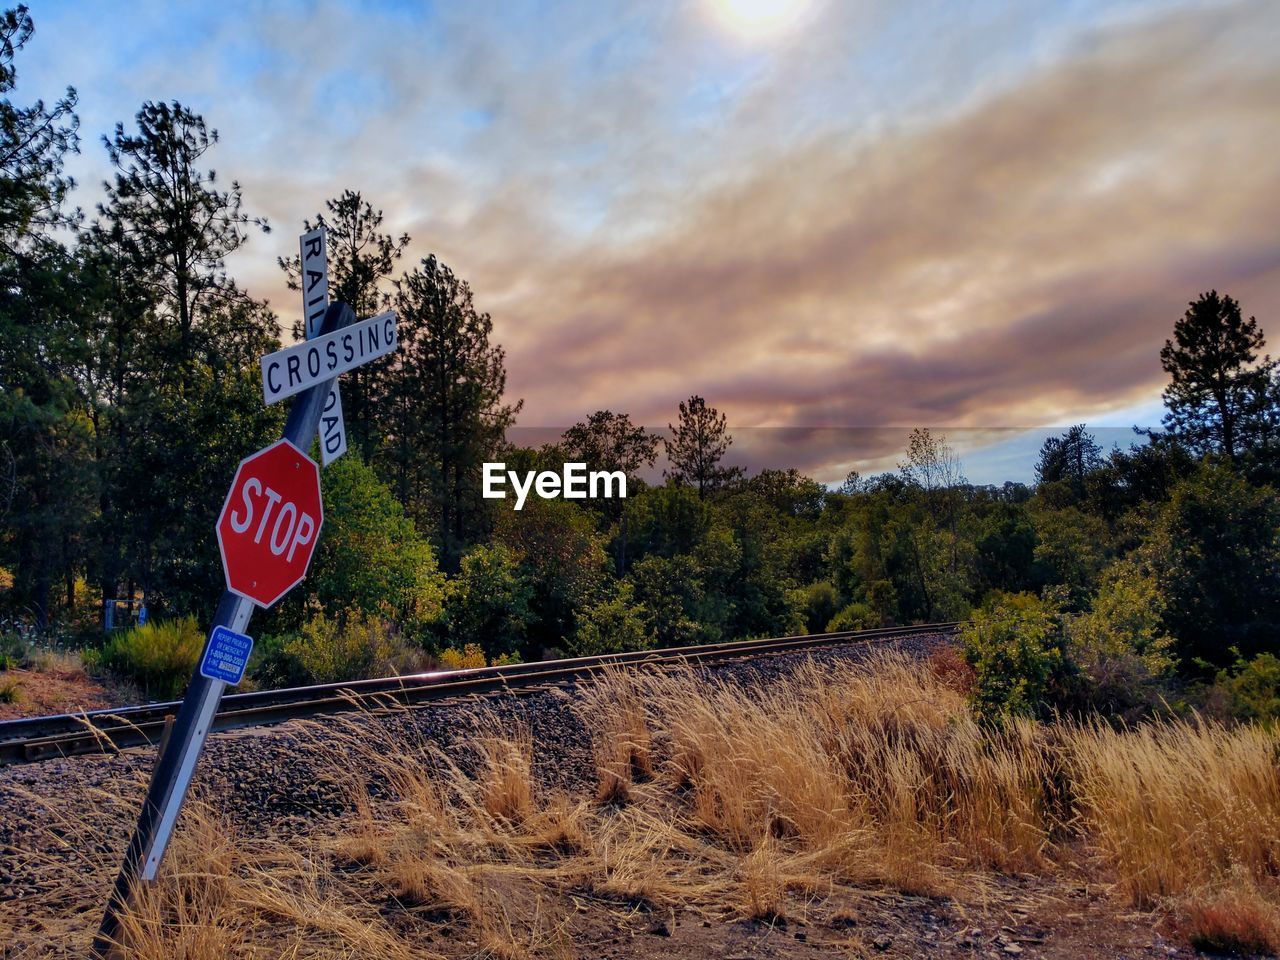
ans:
(899, 215)
(1016, 263)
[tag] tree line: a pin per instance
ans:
(128, 393)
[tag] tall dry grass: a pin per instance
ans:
(1177, 806)
(733, 802)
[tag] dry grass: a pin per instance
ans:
(1238, 921)
(732, 803)
(1177, 806)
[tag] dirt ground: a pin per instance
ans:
(40, 693)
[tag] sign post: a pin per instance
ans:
(267, 533)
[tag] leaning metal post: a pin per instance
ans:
(176, 763)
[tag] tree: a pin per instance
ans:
(790, 492)
(1070, 458)
(369, 558)
(665, 521)
(609, 441)
(442, 411)
(1220, 398)
(34, 142)
(171, 216)
(488, 602)
(361, 262)
(46, 490)
(1215, 552)
(183, 390)
(560, 558)
(612, 625)
(931, 465)
(696, 446)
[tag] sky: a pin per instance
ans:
(834, 219)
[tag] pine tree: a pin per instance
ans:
(1221, 399)
(170, 216)
(1070, 457)
(697, 444)
(441, 413)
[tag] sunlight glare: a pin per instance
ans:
(758, 19)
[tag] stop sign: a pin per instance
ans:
(270, 523)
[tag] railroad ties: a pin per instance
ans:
(105, 731)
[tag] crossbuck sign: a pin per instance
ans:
(267, 532)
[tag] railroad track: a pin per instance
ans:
(105, 731)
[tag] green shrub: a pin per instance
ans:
(1015, 646)
(353, 647)
(10, 691)
(488, 602)
(13, 650)
(612, 626)
(856, 616)
(1124, 656)
(469, 657)
(817, 604)
(159, 656)
(1252, 688)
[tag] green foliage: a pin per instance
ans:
(351, 647)
(469, 657)
(1215, 551)
(361, 261)
(612, 625)
(817, 604)
(671, 595)
(856, 616)
(664, 521)
(1066, 462)
(1252, 688)
(1124, 656)
(370, 556)
(488, 602)
(13, 651)
(441, 410)
(1005, 549)
(1219, 399)
(610, 441)
(159, 656)
(1015, 645)
(696, 444)
(561, 560)
(1071, 549)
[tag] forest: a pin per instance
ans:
(1130, 580)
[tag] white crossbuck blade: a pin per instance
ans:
(303, 365)
(313, 268)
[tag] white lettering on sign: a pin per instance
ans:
(314, 262)
(293, 528)
(333, 432)
(297, 368)
(573, 483)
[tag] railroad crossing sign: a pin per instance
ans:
(313, 262)
(267, 532)
(304, 365)
(270, 523)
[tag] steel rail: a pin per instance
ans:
(102, 731)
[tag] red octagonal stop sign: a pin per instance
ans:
(270, 523)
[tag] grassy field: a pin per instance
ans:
(766, 806)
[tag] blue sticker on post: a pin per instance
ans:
(226, 656)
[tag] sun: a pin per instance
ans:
(758, 19)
